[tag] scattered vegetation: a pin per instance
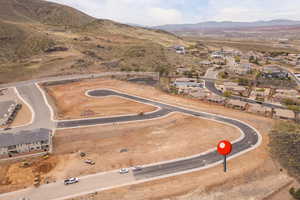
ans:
(295, 193)
(224, 75)
(292, 104)
(227, 94)
(244, 82)
(285, 146)
(253, 60)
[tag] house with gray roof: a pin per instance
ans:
(25, 142)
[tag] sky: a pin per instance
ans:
(161, 12)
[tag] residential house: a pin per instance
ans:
(182, 70)
(259, 109)
(219, 61)
(236, 104)
(240, 69)
(24, 142)
(274, 72)
(260, 94)
(218, 55)
(179, 49)
(284, 114)
(186, 85)
(205, 63)
(232, 87)
(200, 93)
(282, 94)
(213, 98)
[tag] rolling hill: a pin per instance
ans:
(33, 34)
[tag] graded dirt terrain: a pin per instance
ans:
(147, 142)
(72, 103)
(253, 174)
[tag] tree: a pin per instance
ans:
(244, 82)
(237, 59)
(295, 193)
(294, 108)
(227, 94)
(224, 75)
(290, 102)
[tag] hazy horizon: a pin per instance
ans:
(162, 12)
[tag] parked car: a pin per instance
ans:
(137, 168)
(71, 181)
(90, 162)
(124, 171)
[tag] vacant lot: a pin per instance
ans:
(72, 103)
(246, 179)
(285, 146)
(148, 142)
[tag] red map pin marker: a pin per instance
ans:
(224, 148)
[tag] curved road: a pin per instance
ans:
(249, 140)
(251, 136)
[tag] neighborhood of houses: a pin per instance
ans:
(242, 65)
(197, 90)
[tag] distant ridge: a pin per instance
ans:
(226, 25)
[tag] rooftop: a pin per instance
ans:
(285, 113)
(237, 103)
(24, 137)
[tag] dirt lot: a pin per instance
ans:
(72, 103)
(247, 179)
(147, 142)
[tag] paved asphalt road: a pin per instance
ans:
(95, 182)
(250, 139)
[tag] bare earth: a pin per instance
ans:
(72, 103)
(253, 174)
(147, 142)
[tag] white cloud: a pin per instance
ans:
(252, 10)
(164, 16)
(146, 12)
(158, 12)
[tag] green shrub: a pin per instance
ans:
(295, 193)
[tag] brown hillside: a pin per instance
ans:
(34, 32)
(41, 11)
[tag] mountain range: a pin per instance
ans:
(227, 25)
